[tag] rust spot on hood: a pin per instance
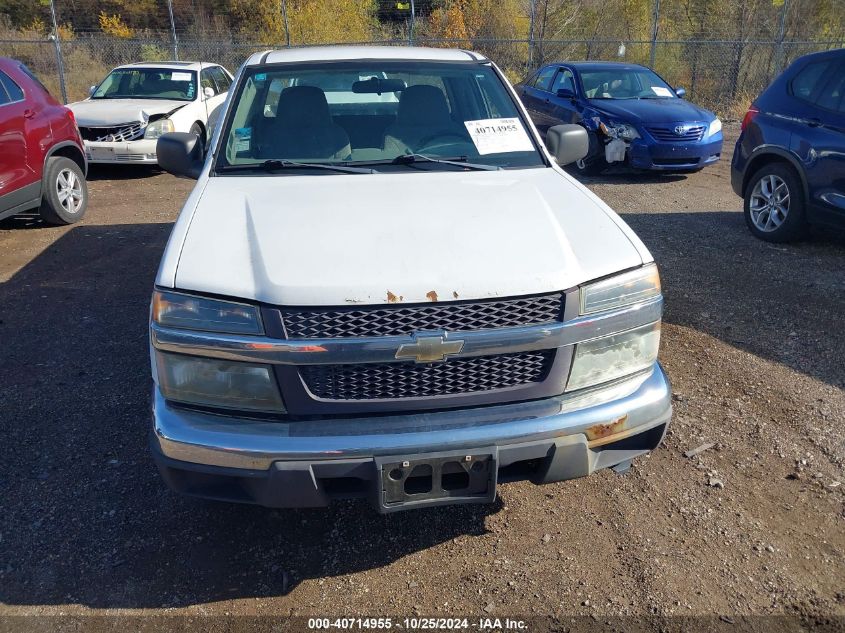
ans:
(391, 298)
(432, 296)
(600, 431)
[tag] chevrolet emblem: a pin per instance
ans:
(429, 349)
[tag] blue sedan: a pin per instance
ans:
(632, 116)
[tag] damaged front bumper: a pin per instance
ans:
(142, 151)
(307, 463)
(646, 152)
(642, 154)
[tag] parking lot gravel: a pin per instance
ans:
(752, 525)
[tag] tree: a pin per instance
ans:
(309, 21)
(551, 20)
(114, 25)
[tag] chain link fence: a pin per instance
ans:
(720, 74)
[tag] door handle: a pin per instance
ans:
(28, 113)
(814, 122)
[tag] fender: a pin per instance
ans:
(780, 152)
(589, 115)
(52, 151)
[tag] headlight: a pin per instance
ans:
(610, 357)
(217, 383)
(715, 126)
(174, 309)
(620, 130)
(621, 290)
(157, 128)
(628, 132)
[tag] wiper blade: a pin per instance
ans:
(279, 165)
(458, 161)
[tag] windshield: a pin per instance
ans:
(148, 83)
(625, 83)
(375, 113)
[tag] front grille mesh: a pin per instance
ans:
(379, 381)
(405, 320)
(114, 134)
(668, 134)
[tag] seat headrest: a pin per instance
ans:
(422, 105)
(155, 84)
(303, 106)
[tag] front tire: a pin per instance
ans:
(774, 204)
(64, 199)
(594, 163)
(197, 129)
(590, 167)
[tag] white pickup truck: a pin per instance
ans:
(404, 299)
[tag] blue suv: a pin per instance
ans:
(789, 161)
(632, 116)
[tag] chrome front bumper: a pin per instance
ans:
(307, 461)
(595, 418)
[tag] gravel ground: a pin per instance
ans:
(752, 526)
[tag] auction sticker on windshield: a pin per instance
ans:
(495, 136)
(243, 136)
(660, 91)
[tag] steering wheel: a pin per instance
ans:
(427, 142)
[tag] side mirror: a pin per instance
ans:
(567, 143)
(681, 92)
(208, 92)
(565, 93)
(180, 153)
(91, 90)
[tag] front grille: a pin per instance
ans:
(381, 381)
(405, 320)
(114, 134)
(669, 135)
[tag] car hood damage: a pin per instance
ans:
(106, 112)
(400, 237)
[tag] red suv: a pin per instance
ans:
(42, 163)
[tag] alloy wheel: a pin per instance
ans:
(769, 204)
(69, 189)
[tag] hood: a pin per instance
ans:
(402, 237)
(103, 112)
(649, 111)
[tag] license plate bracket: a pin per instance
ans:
(101, 153)
(432, 479)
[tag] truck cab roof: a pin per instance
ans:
(350, 53)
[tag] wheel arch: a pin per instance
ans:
(70, 150)
(203, 128)
(767, 155)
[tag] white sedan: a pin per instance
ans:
(135, 104)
